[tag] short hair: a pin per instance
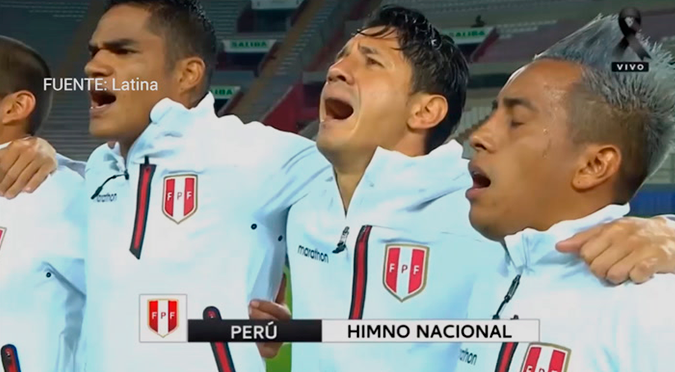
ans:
(22, 68)
(633, 110)
(438, 66)
(186, 29)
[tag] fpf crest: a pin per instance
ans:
(405, 269)
(545, 357)
(180, 197)
(163, 316)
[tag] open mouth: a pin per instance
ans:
(101, 99)
(337, 109)
(480, 180)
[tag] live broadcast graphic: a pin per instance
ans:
(337, 186)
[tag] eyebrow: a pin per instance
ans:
(368, 51)
(510, 103)
(113, 44)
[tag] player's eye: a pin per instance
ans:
(122, 51)
(372, 62)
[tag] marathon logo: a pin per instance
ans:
(106, 198)
(313, 254)
(467, 357)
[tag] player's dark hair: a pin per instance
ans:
(185, 28)
(438, 65)
(22, 68)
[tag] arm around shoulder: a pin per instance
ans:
(648, 344)
(293, 161)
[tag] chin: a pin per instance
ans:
(486, 225)
(326, 144)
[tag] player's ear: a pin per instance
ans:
(597, 164)
(16, 107)
(191, 73)
(427, 111)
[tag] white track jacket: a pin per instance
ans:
(405, 250)
(198, 208)
(586, 324)
(42, 273)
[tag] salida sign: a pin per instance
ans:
(249, 46)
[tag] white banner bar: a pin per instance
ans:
(519, 330)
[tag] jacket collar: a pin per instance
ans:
(397, 182)
(170, 123)
(530, 248)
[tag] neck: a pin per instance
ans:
(11, 133)
(575, 208)
(349, 170)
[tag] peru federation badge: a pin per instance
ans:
(405, 269)
(180, 197)
(545, 357)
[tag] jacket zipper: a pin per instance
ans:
(360, 273)
(10, 358)
(221, 350)
(508, 349)
(142, 207)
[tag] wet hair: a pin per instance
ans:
(634, 111)
(438, 66)
(22, 68)
(185, 28)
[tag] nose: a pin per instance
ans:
(482, 138)
(97, 68)
(340, 72)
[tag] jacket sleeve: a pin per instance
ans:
(293, 163)
(65, 237)
(648, 343)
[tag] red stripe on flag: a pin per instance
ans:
(153, 315)
(173, 315)
(532, 359)
(394, 255)
(189, 200)
(557, 361)
(416, 269)
(170, 195)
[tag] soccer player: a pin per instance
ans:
(185, 202)
(41, 234)
(118, 61)
(566, 148)
(387, 237)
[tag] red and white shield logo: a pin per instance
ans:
(542, 357)
(405, 269)
(163, 316)
(3, 230)
(180, 197)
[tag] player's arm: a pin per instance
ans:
(65, 237)
(293, 164)
(268, 310)
(629, 248)
(25, 165)
(647, 346)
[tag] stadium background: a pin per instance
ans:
(274, 55)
